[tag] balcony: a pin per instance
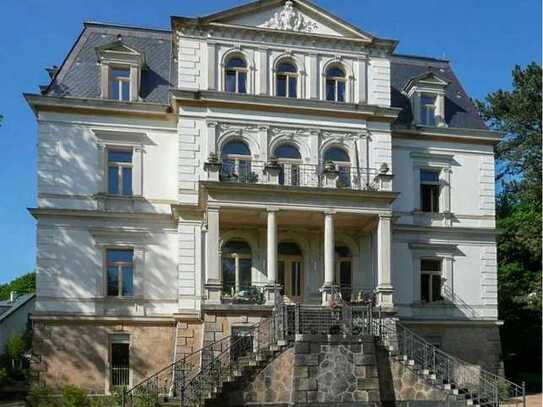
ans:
(327, 175)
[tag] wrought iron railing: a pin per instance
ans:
(243, 293)
(296, 174)
(467, 380)
(199, 376)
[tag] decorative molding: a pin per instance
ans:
(290, 19)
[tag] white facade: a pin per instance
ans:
(181, 213)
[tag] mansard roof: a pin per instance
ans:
(79, 75)
(460, 112)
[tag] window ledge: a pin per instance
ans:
(433, 215)
(119, 197)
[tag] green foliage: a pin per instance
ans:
(24, 284)
(4, 377)
(517, 113)
(15, 347)
(73, 396)
(40, 396)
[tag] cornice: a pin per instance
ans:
(38, 213)
(206, 98)
(40, 103)
(385, 196)
(448, 133)
(220, 31)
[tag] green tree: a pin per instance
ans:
(517, 113)
(24, 284)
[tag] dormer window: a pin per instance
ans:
(120, 71)
(427, 95)
(428, 110)
(119, 85)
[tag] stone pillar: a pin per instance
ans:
(213, 263)
(384, 290)
(329, 256)
(271, 259)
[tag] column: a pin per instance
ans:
(271, 257)
(329, 256)
(384, 290)
(213, 278)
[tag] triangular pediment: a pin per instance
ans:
(426, 79)
(118, 46)
(289, 15)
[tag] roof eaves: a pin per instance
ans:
(22, 300)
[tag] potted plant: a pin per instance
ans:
(329, 166)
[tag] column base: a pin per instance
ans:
(384, 297)
(328, 291)
(214, 292)
(272, 294)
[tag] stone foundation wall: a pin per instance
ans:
(189, 337)
(77, 353)
(398, 383)
(218, 325)
(477, 344)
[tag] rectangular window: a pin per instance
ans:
(430, 280)
(120, 84)
(119, 172)
(429, 190)
(120, 360)
(120, 272)
(428, 110)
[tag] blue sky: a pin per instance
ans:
(484, 39)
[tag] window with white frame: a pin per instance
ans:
(430, 280)
(429, 190)
(236, 267)
(236, 162)
(428, 110)
(235, 75)
(119, 171)
(335, 84)
(119, 83)
(120, 272)
(286, 80)
(289, 159)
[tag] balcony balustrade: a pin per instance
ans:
(327, 175)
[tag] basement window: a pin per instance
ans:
(120, 360)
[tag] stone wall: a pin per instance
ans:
(399, 383)
(77, 353)
(477, 344)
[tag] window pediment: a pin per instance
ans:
(119, 52)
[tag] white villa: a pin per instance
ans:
(190, 179)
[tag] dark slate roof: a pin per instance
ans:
(459, 110)
(79, 75)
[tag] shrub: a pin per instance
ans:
(73, 396)
(4, 378)
(40, 396)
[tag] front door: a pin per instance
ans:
(290, 275)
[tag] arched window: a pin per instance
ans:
(335, 84)
(343, 273)
(236, 267)
(289, 159)
(286, 80)
(341, 162)
(235, 75)
(236, 162)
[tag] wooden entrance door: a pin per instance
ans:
(290, 275)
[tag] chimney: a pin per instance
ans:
(13, 296)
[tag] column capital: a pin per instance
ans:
(388, 216)
(272, 209)
(329, 212)
(213, 208)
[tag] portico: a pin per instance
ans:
(300, 254)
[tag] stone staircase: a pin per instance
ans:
(211, 375)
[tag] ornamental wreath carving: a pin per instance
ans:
(289, 19)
